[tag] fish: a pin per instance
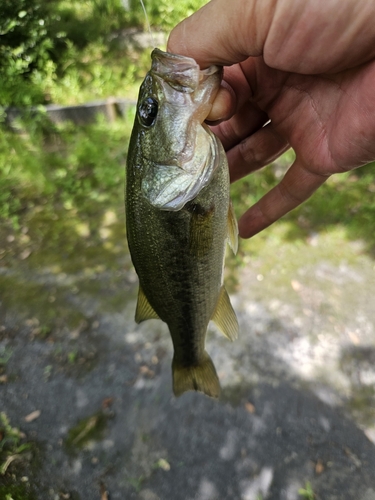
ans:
(179, 216)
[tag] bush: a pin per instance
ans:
(24, 50)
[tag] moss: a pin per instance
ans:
(45, 304)
(361, 404)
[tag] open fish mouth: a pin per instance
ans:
(180, 72)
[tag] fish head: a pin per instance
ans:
(174, 100)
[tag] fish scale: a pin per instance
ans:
(179, 215)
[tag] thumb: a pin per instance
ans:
(221, 32)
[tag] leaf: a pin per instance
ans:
(32, 416)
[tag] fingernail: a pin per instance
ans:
(222, 106)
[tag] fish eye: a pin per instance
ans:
(148, 110)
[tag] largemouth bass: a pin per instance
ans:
(179, 215)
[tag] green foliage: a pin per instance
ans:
(66, 166)
(345, 200)
(95, 39)
(50, 51)
(24, 50)
(307, 492)
(13, 451)
(5, 355)
(11, 444)
(137, 482)
(16, 492)
(88, 429)
(43, 45)
(163, 14)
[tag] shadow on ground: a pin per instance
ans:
(108, 420)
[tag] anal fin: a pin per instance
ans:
(144, 309)
(224, 316)
(201, 377)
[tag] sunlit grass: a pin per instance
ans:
(67, 165)
(345, 201)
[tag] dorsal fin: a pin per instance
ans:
(224, 316)
(144, 309)
(232, 229)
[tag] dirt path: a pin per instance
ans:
(298, 386)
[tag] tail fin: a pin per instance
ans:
(201, 377)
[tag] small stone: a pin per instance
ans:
(250, 407)
(25, 254)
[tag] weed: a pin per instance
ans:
(90, 428)
(72, 356)
(12, 445)
(5, 355)
(136, 482)
(47, 372)
(307, 492)
(162, 464)
(21, 491)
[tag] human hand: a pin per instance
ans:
(309, 67)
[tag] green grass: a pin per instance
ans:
(66, 168)
(13, 447)
(307, 492)
(5, 355)
(345, 201)
(16, 456)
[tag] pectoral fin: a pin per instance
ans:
(201, 229)
(144, 309)
(224, 316)
(232, 229)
